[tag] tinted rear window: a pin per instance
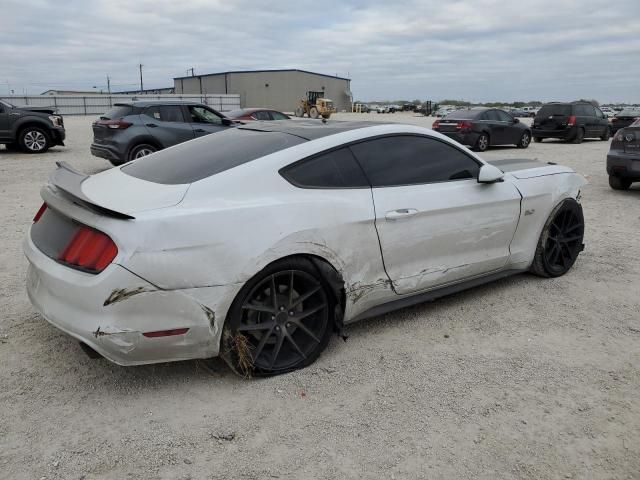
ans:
(463, 114)
(202, 158)
(549, 110)
(118, 112)
(335, 169)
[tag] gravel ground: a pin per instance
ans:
(525, 378)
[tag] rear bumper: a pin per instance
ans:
(108, 152)
(111, 311)
(564, 134)
(464, 138)
(624, 165)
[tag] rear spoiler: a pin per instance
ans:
(69, 180)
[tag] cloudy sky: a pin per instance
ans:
(479, 50)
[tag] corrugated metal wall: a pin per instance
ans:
(98, 104)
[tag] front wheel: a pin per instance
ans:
(560, 241)
(280, 321)
(313, 112)
(618, 183)
(34, 140)
(607, 134)
(525, 140)
(482, 143)
(141, 150)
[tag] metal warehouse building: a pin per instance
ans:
(277, 89)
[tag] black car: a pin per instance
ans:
(624, 118)
(623, 159)
(571, 121)
(135, 129)
(483, 127)
(30, 129)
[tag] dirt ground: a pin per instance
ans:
(525, 378)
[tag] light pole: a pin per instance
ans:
(141, 85)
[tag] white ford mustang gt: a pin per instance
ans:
(258, 242)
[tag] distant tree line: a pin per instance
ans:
(465, 103)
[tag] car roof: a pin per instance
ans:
(308, 129)
(148, 103)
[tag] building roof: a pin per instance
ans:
(263, 71)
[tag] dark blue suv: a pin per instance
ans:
(135, 129)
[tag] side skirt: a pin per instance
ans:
(432, 295)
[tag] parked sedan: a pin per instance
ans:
(248, 114)
(260, 241)
(135, 129)
(624, 118)
(482, 127)
(623, 159)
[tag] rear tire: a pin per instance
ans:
(141, 150)
(525, 140)
(560, 241)
(264, 333)
(618, 183)
(299, 112)
(12, 147)
(579, 136)
(607, 135)
(34, 140)
(482, 143)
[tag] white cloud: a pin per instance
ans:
(476, 49)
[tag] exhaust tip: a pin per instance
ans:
(91, 353)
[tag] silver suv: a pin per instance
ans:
(135, 129)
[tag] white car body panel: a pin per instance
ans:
(191, 247)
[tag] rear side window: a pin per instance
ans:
(335, 169)
(117, 112)
(279, 116)
(261, 115)
(492, 115)
(550, 110)
(192, 161)
(584, 110)
(165, 113)
(504, 116)
(410, 160)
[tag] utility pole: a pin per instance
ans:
(108, 85)
(192, 72)
(141, 85)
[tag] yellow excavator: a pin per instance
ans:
(314, 106)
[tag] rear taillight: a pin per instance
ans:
(89, 250)
(435, 125)
(115, 124)
(571, 120)
(464, 125)
(41, 211)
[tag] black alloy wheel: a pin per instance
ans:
(561, 240)
(525, 140)
(282, 322)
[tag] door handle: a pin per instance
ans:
(199, 130)
(401, 213)
(152, 125)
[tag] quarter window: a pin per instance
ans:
(165, 113)
(335, 169)
(410, 160)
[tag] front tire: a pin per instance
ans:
(141, 150)
(560, 241)
(482, 143)
(313, 112)
(618, 183)
(281, 320)
(525, 140)
(607, 135)
(34, 140)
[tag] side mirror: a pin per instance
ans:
(226, 121)
(490, 174)
(516, 120)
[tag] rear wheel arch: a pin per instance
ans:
(142, 141)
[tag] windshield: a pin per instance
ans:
(192, 161)
(554, 109)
